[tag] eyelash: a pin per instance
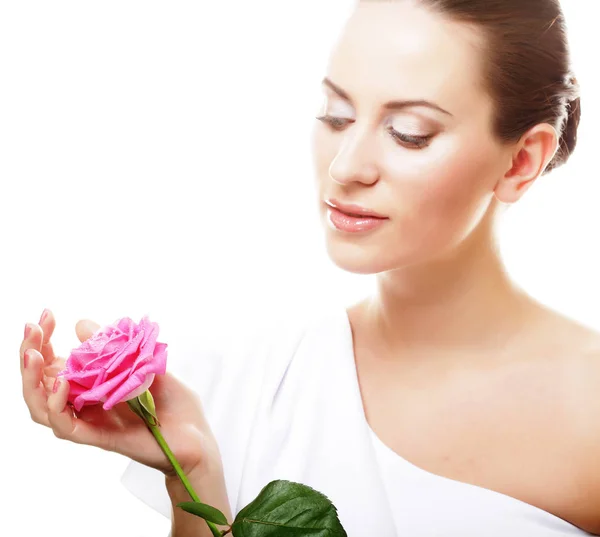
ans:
(416, 142)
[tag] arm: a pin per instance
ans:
(211, 490)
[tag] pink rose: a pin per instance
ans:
(116, 364)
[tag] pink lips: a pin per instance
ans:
(352, 209)
(353, 224)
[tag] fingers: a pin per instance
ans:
(85, 329)
(47, 324)
(31, 340)
(37, 336)
(34, 392)
(60, 416)
(65, 425)
(53, 411)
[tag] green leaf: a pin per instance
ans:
(147, 401)
(284, 508)
(136, 406)
(207, 512)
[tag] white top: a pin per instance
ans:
(288, 406)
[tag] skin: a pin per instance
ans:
(455, 361)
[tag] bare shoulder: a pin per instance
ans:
(578, 353)
(583, 379)
(584, 373)
(568, 366)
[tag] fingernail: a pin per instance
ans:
(56, 385)
(27, 330)
(44, 315)
(26, 358)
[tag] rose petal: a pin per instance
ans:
(139, 391)
(123, 390)
(94, 395)
(129, 348)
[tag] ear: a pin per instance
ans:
(529, 159)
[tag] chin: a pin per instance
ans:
(372, 256)
(355, 258)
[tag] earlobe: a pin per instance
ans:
(530, 158)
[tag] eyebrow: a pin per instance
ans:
(391, 105)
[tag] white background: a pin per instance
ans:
(154, 158)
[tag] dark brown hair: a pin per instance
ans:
(527, 66)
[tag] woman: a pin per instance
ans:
(450, 402)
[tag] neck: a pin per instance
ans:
(464, 301)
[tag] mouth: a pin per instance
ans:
(354, 211)
(362, 215)
(349, 223)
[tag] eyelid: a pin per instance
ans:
(417, 140)
(420, 132)
(331, 120)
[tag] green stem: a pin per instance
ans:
(177, 467)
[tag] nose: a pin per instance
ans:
(355, 160)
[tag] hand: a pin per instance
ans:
(179, 410)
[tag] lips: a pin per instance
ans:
(361, 215)
(353, 224)
(356, 211)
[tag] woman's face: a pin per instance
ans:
(430, 169)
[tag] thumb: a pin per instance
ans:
(85, 329)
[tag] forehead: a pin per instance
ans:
(393, 50)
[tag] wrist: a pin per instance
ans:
(209, 486)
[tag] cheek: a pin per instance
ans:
(441, 193)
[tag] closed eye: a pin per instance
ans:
(413, 141)
(336, 123)
(418, 141)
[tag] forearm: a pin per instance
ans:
(210, 490)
